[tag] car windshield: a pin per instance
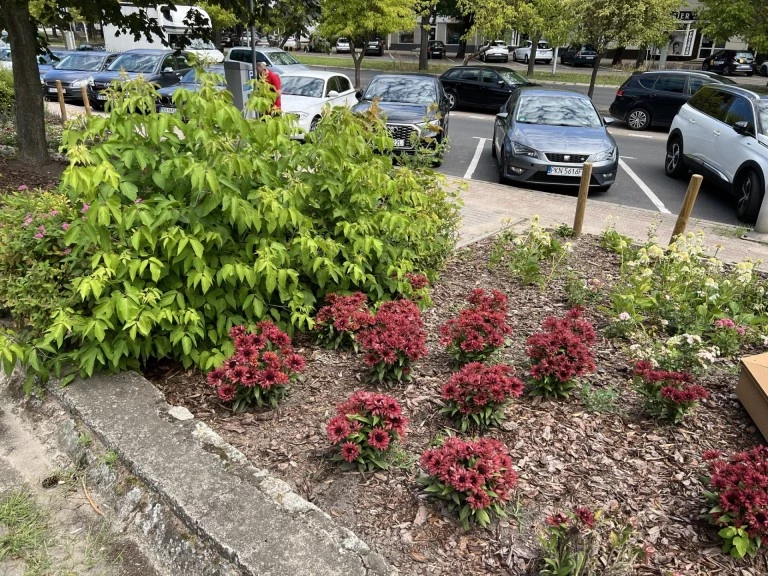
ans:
(200, 44)
(499, 43)
(282, 58)
(543, 46)
(192, 77)
(135, 63)
(512, 77)
(404, 89)
(302, 86)
(557, 111)
(743, 54)
(762, 114)
(85, 62)
(343, 41)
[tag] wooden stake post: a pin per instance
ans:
(86, 103)
(685, 211)
(62, 104)
(581, 205)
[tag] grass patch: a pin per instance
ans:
(25, 531)
(600, 400)
(613, 79)
(730, 231)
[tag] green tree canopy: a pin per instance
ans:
(747, 19)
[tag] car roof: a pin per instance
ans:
(480, 67)
(262, 49)
(393, 75)
(324, 74)
(150, 51)
(753, 92)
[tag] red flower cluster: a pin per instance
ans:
(394, 340)
(582, 515)
(481, 391)
(667, 394)
(740, 490)
(478, 472)
(366, 426)
(341, 318)
(263, 363)
(479, 329)
(417, 281)
(561, 352)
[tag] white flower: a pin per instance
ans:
(655, 252)
(624, 316)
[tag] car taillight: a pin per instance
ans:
(619, 93)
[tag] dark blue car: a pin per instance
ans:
(45, 62)
(74, 72)
(161, 67)
(189, 81)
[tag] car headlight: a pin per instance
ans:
(521, 150)
(428, 129)
(609, 154)
(83, 82)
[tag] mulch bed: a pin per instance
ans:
(14, 174)
(633, 467)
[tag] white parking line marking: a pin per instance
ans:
(475, 158)
(476, 117)
(646, 136)
(628, 157)
(648, 192)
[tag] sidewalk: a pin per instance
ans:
(488, 208)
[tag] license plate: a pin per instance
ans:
(399, 143)
(53, 90)
(101, 96)
(167, 109)
(563, 171)
(590, 57)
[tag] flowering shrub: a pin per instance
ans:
(621, 326)
(479, 330)
(581, 291)
(561, 353)
(739, 494)
(667, 394)
(366, 427)
(260, 369)
(581, 543)
(394, 340)
(525, 253)
(478, 394)
(338, 322)
(612, 241)
(680, 353)
(418, 289)
(475, 477)
(727, 336)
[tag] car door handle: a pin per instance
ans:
(716, 132)
(691, 121)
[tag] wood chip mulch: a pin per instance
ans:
(633, 467)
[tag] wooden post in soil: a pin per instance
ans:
(86, 103)
(685, 211)
(581, 204)
(62, 104)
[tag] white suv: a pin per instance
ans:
(722, 133)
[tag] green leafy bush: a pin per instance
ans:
(202, 220)
(6, 95)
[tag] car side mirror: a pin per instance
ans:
(742, 127)
(502, 115)
(608, 120)
(359, 94)
(332, 94)
(501, 83)
(168, 70)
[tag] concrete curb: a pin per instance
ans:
(253, 520)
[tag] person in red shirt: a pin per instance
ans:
(266, 75)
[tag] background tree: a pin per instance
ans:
(220, 18)
(362, 20)
(293, 17)
(490, 19)
(542, 19)
(724, 19)
(426, 11)
(621, 23)
(22, 27)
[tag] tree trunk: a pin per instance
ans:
(532, 57)
(554, 60)
(595, 68)
(641, 53)
(424, 28)
(618, 55)
(357, 60)
(28, 105)
(466, 24)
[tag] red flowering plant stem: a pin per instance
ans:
(479, 330)
(668, 395)
(338, 322)
(365, 428)
(478, 394)
(560, 353)
(418, 289)
(738, 493)
(259, 371)
(394, 340)
(474, 476)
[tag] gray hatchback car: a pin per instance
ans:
(544, 136)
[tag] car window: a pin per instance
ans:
(181, 62)
(403, 89)
(344, 84)
(670, 83)
(740, 110)
(696, 82)
(647, 80)
(762, 114)
(556, 110)
(134, 63)
(711, 102)
(168, 62)
(509, 107)
(490, 77)
(302, 86)
(454, 74)
(282, 58)
(471, 75)
(513, 77)
(332, 84)
(88, 62)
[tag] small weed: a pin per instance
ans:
(602, 400)
(403, 459)
(515, 510)
(581, 292)
(564, 231)
(730, 231)
(110, 458)
(613, 241)
(26, 531)
(84, 439)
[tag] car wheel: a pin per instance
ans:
(764, 70)
(638, 119)
(749, 196)
(562, 60)
(451, 99)
(514, 57)
(502, 162)
(548, 62)
(493, 148)
(674, 166)
(705, 66)
(525, 60)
